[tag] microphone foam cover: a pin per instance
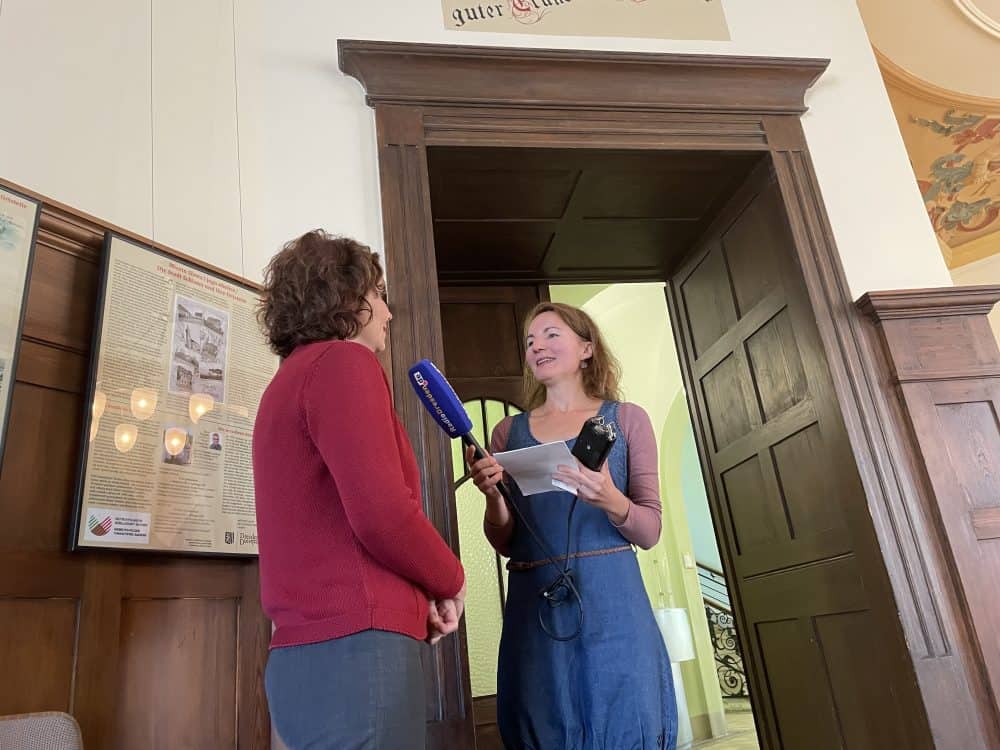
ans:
(439, 398)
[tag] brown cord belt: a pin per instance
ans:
(514, 565)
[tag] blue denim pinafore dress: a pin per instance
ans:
(611, 686)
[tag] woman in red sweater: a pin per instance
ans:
(352, 574)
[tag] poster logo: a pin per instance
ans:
(99, 528)
(230, 537)
(110, 525)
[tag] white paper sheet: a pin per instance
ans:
(532, 468)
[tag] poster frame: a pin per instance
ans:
(91, 386)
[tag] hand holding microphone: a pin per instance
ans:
(486, 473)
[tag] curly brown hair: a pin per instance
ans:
(314, 290)
(602, 376)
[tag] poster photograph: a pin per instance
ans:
(199, 347)
(177, 371)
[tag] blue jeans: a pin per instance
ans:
(361, 692)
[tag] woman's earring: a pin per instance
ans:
(583, 364)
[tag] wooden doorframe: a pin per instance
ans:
(444, 95)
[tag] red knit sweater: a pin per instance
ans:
(344, 543)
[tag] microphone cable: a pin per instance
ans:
(563, 589)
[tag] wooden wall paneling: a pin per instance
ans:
(45, 425)
(38, 654)
(96, 633)
(253, 640)
(944, 367)
(487, 733)
(177, 673)
(481, 328)
(99, 650)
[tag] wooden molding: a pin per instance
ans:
(404, 73)
(926, 303)
(944, 365)
(986, 522)
(936, 335)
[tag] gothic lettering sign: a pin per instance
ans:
(661, 19)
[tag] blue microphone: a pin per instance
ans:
(444, 406)
(440, 399)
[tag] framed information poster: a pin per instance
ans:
(18, 226)
(178, 366)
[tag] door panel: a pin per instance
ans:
(783, 484)
(481, 328)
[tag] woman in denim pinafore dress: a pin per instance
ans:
(600, 681)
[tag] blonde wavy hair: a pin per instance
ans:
(602, 376)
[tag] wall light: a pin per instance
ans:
(174, 440)
(125, 437)
(97, 408)
(143, 403)
(199, 405)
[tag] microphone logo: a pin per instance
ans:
(439, 398)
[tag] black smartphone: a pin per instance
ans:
(594, 442)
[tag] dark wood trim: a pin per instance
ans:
(944, 366)
(413, 279)
(437, 74)
(986, 522)
(459, 96)
(484, 708)
(924, 303)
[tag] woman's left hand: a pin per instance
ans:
(595, 488)
(442, 619)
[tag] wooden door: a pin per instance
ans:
(784, 487)
(481, 327)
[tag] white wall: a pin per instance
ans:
(223, 127)
(985, 271)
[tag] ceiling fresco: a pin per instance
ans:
(953, 142)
